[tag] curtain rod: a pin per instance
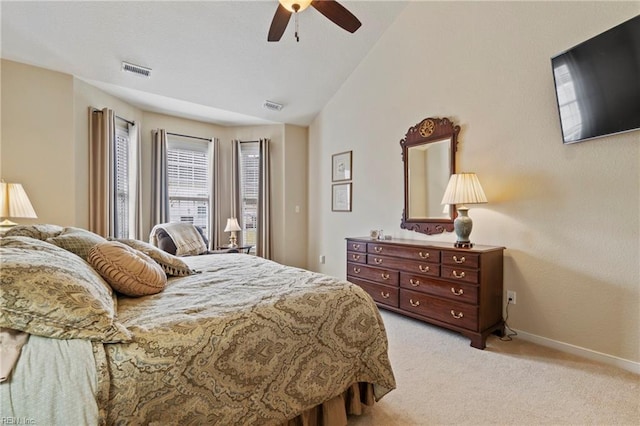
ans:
(125, 120)
(95, 110)
(187, 136)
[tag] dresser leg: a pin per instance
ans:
(478, 341)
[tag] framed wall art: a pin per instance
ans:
(341, 166)
(341, 197)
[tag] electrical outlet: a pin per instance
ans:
(321, 259)
(511, 297)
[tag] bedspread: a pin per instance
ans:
(246, 341)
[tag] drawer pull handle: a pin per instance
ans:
(356, 270)
(377, 249)
(416, 303)
(355, 256)
(384, 295)
(385, 276)
(414, 283)
(456, 316)
(424, 255)
(456, 275)
(356, 246)
(377, 260)
(423, 268)
(458, 292)
(461, 260)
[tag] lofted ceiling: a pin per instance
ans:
(210, 60)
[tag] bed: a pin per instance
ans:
(230, 339)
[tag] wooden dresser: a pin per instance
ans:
(459, 289)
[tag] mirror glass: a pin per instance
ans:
(428, 153)
(429, 171)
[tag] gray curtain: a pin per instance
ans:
(159, 181)
(263, 243)
(102, 131)
(214, 195)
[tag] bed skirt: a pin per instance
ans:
(334, 412)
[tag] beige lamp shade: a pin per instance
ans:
(14, 203)
(288, 4)
(464, 188)
(232, 225)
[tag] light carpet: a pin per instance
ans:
(442, 380)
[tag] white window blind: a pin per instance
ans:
(122, 174)
(188, 181)
(249, 181)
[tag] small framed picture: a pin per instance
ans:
(341, 197)
(341, 166)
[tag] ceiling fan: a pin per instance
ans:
(331, 9)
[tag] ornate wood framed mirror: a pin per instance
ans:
(429, 157)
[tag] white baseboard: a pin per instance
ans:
(625, 364)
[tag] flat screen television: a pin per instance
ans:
(598, 84)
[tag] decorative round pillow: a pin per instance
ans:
(127, 270)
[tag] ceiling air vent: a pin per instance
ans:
(272, 105)
(136, 69)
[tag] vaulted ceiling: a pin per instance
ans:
(210, 60)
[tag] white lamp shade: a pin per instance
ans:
(232, 225)
(464, 188)
(14, 202)
(288, 4)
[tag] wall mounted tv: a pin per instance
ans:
(598, 84)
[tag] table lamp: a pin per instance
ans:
(14, 203)
(463, 188)
(233, 227)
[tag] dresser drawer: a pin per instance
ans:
(460, 292)
(458, 314)
(379, 292)
(356, 257)
(456, 258)
(381, 275)
(415, 253)
(357, 246)
(415, 266)
(456, 273)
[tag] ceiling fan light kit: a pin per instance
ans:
(331, 9)
(295, 5)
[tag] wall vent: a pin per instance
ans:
(136, 69)
(272, 105)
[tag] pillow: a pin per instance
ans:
(50, 292)
(128, 271)
(166, 235)
(39, 232)
(171, 265)
(77, 240)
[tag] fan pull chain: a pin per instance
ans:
(296, 19)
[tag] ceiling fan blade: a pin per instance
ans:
(338, 14)
(279, 23)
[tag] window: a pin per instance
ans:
(123, 172)
(249, 187)
(188, 181)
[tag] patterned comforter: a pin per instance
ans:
(246, 341)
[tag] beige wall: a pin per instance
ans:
(38, 148)
(45, 147)
(567, 215)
